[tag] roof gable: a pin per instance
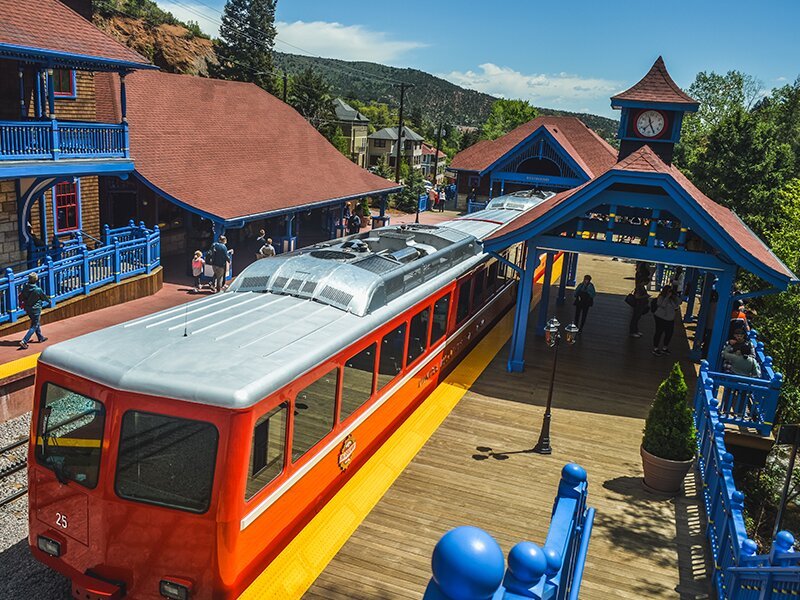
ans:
(56, 31)
(656, 87)
(591, 152)
(390, 133)
(735, 239)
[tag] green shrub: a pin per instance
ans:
(669, 429)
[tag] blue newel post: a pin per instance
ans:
(544, 299)
(516, 359)
(693, 276)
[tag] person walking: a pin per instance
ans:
(640, 304)
(220, 256)
(354, 224)
(32, 298)
(197, 269)
(266, 250)
(666, 306)
(584, 298)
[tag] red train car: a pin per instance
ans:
(174, 456)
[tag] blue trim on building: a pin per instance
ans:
(74, 93)
(66, 168)
(68, 60)
(676, 106)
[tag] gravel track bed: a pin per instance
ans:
(23, 577)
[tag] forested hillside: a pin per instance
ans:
(438, 98)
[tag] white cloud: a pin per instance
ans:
(345, 42)
(204, 16)
(560, 90)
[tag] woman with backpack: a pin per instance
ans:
(665, 307)
(32, 298)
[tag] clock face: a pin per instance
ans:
(650, 123)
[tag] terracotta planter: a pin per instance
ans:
(663, 475)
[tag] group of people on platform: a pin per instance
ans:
(219, 257)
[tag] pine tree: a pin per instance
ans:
(247, 36)
(311, 96)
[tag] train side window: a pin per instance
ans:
(464, 291)
(492, 276)
(418, 335)
(166, 460)
(479, 288)
(440, 311)
(267, 452)
(392, 349)
(313, 413)
(357, 380)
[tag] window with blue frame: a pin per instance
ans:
(64, 83)
(67, 206)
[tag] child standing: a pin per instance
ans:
(197, 268)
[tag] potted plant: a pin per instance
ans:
(668, 445)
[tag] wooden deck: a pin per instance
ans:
(476, 469)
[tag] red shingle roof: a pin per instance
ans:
(426, 149)
(589, 150)
(645, 160)
(656, 86)
(227, 148)
(50, 25)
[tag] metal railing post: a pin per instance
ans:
(51, 281)
(117, 265)
(86, 283)
(12, 295)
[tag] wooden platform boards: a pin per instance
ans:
(476, 469)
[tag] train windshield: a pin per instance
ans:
(69, 435)
(166, 460)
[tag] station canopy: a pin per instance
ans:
(228, 150)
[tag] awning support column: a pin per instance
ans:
(702, 316)
(573, 269)
(544, 299)
(516, 358)
(719, 330)
(694, 275)
(562, 283)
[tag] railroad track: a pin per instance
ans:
(13, 458)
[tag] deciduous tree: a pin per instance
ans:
(505, 116)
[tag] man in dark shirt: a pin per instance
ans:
(33, 298)
(220, 255)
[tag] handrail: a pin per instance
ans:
(732, 552)
(56, 139)
(580, 559)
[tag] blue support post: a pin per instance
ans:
(694, 275)
(719, 331)
(23, 114)
(51, 282)
(51, 94)
(502, 187)
(702, 316)
(573, 270)
(544, 299)
(612, 217)
(516, 358)
(37, 100)
(85, 275)
(117, 262)
(651, 235)
(11, 301)
(562, 283)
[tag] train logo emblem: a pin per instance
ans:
(346, 452)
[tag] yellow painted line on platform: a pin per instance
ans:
(301, 562)
(18, 366)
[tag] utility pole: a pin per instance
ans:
(285, 85)
(436, 156)
(403, 87)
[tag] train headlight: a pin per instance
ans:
(173, 590)
(48, 546)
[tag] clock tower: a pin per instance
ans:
(652, 113)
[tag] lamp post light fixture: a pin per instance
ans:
(553, 338)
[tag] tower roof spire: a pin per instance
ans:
(657, 87)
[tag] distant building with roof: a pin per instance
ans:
(429, 160)
(355, 127)
(384, 143)
(550, 153)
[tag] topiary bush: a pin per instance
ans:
(669, 430)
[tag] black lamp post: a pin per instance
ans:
(552, 335)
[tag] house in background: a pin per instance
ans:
(355, 128)
(382, 143)
(429, 160)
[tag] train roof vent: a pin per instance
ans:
(336, 297)
(256, 283)
(332, 254)
(376, 263)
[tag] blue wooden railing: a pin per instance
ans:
(468, 563)
(739, 573)
(475, 206)
(80, 270)
(25, 140)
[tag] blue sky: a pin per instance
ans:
(568, 54)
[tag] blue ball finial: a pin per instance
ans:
(553, 557)
(573, 473)
(749, 547)
(468, 564)
(527, 563)
(784, 541)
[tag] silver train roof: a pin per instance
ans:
(282, 316)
